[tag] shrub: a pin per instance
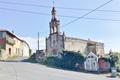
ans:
(52, 61)
(71, 58)
(67, 61)
(115, 60)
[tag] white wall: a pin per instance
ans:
(25, 49)
(91, 63)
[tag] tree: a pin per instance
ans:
(114, 58)
(70, 59)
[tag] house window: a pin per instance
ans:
(0, 53)
(88, 56)
(9, 51)
(94, 64)
(22, 52)
(92, 57)
(95, 59)
(16, 50)
(1, 34)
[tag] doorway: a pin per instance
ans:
(9, 51)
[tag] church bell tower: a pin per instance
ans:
(54, 23)
(54, 43)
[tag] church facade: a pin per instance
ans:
(56, 42)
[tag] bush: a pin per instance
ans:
(67, 61)
(71, 58)
(115, 60)
(118, 67)
(31, 59)
(52, 61)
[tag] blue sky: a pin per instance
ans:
(26, 25)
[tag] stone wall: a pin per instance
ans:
(100, 49)
(77, 45)
(80, 45)
(54, 44)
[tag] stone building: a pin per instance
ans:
(11, 45)
(57, 41)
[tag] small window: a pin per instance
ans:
(88, 56)
(1, 34)
(9, 51)
(92, 57)
(95, 59)
(54, 42)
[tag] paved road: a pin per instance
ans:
(32, 71)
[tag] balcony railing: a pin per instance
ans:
(10, 41)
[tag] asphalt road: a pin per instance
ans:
(32, 71)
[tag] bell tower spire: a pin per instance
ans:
(54, 23)
(53, 12)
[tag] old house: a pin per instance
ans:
(91, 62)
(11, 45)
(57, 41)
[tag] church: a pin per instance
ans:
(56, 42)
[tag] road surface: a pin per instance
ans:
(34, 71)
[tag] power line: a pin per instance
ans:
(23, 11)
(24, 4)
(87, 13)
(83, 9)
(38, 13)
(101, 19)
(43, 6)
(89, 18)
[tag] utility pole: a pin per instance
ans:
(38, 40)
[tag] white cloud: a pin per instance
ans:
(33, 42)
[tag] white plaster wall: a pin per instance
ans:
(17, 47)
(25, 50)
(91, 64)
